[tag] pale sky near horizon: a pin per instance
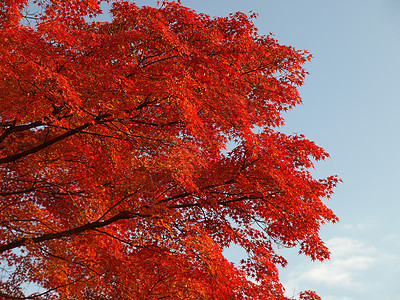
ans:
(351, 107)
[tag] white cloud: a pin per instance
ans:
(350, 260)
(337, 298)
(360, 226)
(349, 256)
(364, 267)
(391, 239)
(345, 247)
(338, 272)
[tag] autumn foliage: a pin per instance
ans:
(134, 151)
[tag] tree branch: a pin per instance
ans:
(11, 128)
(15, 157)
(124, 215)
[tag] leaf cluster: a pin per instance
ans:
(134, 151)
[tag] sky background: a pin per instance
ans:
(351, 108)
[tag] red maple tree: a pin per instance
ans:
(134, 151)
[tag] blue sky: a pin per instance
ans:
(351, 107)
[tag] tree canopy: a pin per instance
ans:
(134, 151)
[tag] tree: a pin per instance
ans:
(134, 151)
